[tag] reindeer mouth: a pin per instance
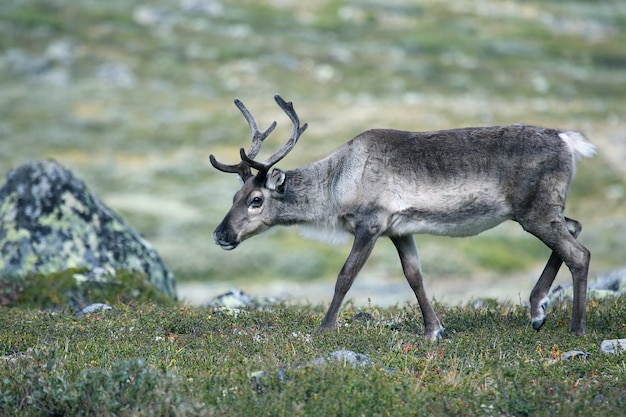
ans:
(227, 246)
(224, 244)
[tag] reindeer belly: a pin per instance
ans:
(454, 211)
(417, 222)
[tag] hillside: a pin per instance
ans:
(132, 96)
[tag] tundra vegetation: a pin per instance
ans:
(144, 358)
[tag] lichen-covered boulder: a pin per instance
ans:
(49, 221)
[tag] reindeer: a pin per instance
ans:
(394, 183)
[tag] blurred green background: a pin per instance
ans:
(132, 96)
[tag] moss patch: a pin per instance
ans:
(76, 288)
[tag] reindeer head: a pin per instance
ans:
(254, 208)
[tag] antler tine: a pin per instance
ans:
(249, 162)
(257, 136)
(296, 131)
(243, 168)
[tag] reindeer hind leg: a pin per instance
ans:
(577, 260)
(409, 258)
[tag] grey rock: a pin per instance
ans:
(50, 221)
(347, 357)
(351, 358)
(236, 299)
(574, 354)
(613, 346)
(614, 281)
(611, 284)
(258, 379)
(93, 308)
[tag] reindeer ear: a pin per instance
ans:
(275, 180)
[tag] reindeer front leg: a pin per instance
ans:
(364, 241)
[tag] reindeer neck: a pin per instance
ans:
(308, 197)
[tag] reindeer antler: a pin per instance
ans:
(296, 131)
(247, 159)
(258, 137)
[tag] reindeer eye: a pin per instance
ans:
(256, 202)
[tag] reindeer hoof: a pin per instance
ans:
(434, 335)
(578, 331)
(540, 319)
(324, 330)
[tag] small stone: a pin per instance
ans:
(348, 357)
(234, 299)
(613, 346)
(93, 308)
(572, 354)
(259, 378)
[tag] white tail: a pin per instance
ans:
(578, 144)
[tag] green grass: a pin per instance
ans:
(146, 359)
